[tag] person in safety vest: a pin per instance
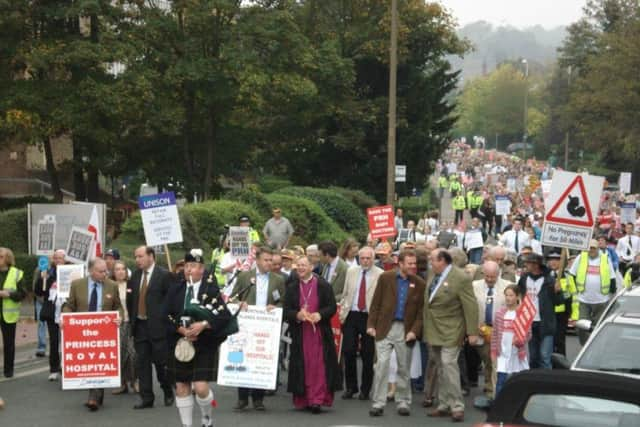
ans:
(458, 204)
(595, 283)
(568, 309)
(454, 185)
(12, 291)
(474, 201)
(245, 221)
(632, 276)
(443, 184)
(217, 261)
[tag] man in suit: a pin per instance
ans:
(395, 320)
(489, 294)
(359, 286)
(450, 313)
(334, 269)
(265, 289)
(94, 293)
(146, 292)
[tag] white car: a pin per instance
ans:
(613, 346)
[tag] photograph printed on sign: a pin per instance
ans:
(79, 245)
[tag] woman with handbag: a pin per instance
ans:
(46, 288)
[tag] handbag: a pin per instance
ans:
(184, 351)
(48, 311)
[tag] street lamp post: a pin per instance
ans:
(566, 140)
(393, 81)
(526, 108)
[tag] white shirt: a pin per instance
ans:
(628, 247)
(196, 289)
(536, 246)
(226, 262)
(509, 240)
(367, 279)
(262, 289)
(592, 290)
(508, 361)
(352, 263)
(533, 289)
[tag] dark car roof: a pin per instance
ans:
(510, 404)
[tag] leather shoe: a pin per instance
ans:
(376, 412)
(122, 390)
(169, 399)
(428, 402)
(241, 405)
(437, 413)
(348, 394)
(363, 396)
(92, 405)
(143, 405)
(457, 416)
(315, 409)
(405, 412)
(258, 405)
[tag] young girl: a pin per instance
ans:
(509, 354)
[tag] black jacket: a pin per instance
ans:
(327, 308)
(548, 298)
(158, 286)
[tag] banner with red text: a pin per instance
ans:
(249, 358)
(524, 318)
(90, 344)
(381, 222)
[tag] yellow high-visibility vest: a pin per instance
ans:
(605, 274)
(458, 203)
(568, 286)
(10, 308)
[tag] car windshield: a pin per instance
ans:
(615, 348)
(579, 411)
(623, 304)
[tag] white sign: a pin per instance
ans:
(67, 274)
(452, 168)
(239, 242)
(46, 236)
(625, 182)
(249, 358)
(160, 219)
(628, 213)
(571, 210)
(401, 173)
(79, 245)
(511, 185)
(503, 205)
(545, 184)
(473, 239)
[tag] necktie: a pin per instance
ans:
(188, 297)
(326, 272)
(362, 293)
(93, 300)
(142, 298)
(516, 246)
(488, 308)
(434, 283)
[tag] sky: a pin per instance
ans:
(517, 13)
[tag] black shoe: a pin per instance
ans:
(258, 405)
(363, 396)
(349, 394)
(8, 374)
(315, 409)
(376, 412)
(241, 405)
(169, 399)
(40, 354)
(143, 405)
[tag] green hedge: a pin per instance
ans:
(21, 202)
(13, 230)
(28, 264)
(310, 222)
(415, 207)
(358, 197)
(270, 183)
(211, 216)
(252, 196)
(347, 215)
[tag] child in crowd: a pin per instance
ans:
(509, 354)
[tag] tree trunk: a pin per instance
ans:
(52, 171)
(211, 140)
(78, 172)
(93, 187)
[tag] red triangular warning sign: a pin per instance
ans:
(588, 222)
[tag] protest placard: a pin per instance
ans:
(473, 239)
(503, 205)
(627, 213)
(79, 245)
(239, 242)
(46, 236)
(90, 344)
(525, 314)
(67, 274)
(625, 182)
(249, 358)
(160, 219)
(381, 222)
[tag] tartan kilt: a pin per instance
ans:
(203, 366)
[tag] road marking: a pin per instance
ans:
(26, 374)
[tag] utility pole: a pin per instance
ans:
(526, 106)
(566, 140)
(393, 83)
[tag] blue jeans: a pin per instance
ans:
(540, 348)
(475, 256)
(500, 380)
(42, 328)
